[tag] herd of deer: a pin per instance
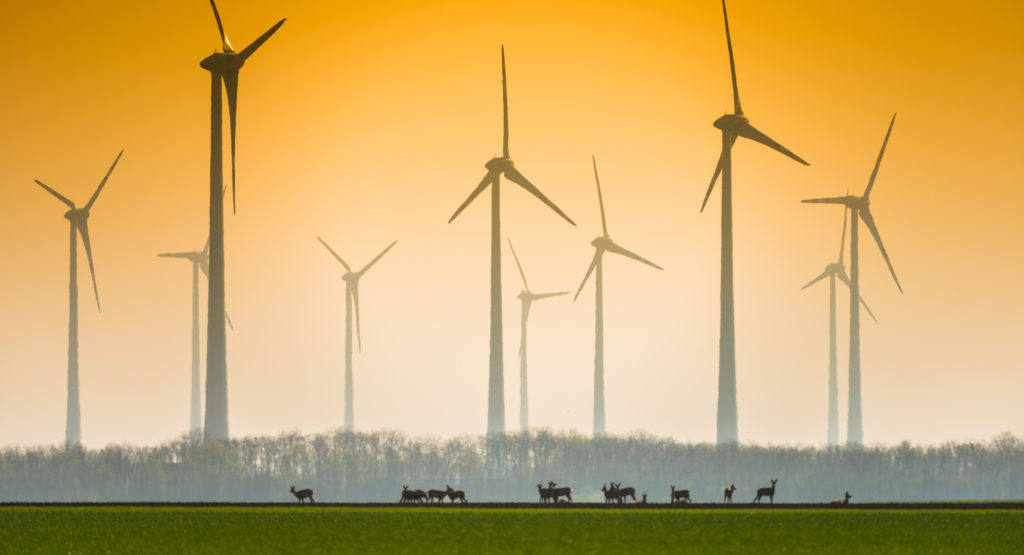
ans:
(553, 494)
(420, 496)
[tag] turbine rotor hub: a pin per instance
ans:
(732, 122)
(222, 62)
(77, 214)
(499, 164)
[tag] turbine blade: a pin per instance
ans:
(206, 248)
(540, 296)
(244, 54)
(732, 63)
(476, 192)
(514, 176)
(176, 255)
(504, 102)
(865, 214)
(874, 172)
(846, 279)
(104, 182)
(718, 170)
(83, 230)
(231, 84)
(842, 238)
(816, 280)
(204, 265)
(522, 274)
(629, 254)
(378, 257)
(343, 263)
(59, 196)
(220, 27)
(600, 199)
(750, 132)
(590, 270)
(828, 200)
(228, 319)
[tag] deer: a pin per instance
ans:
(557, 492)
(727, 498)
(770, 492)
(842, 501)
(624, 492)
(610, 494)
(303, 494)
(545, 493)
(642, 501)
(438, 494)
(412, 495)
(680, 495)
(454, 494)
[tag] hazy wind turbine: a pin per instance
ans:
(222, 66)
(79, 224)
(602, 244)
(833, 271)
(496, 167)
(526, 298)
(732, 125)
(352, 299)
(859, 208)
(200, 262)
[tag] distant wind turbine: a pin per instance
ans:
(223, 66)
(79, 224)
(352, 300)
(526, 298)
(732, 125)
(200, 262)
(859, 209)
(833, 271)
(601, 245)
(496, 167)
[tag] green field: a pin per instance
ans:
(367, 530)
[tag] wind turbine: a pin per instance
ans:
(732, 125)
(223, 66)
(526, 298)
(859, 208)
(601, 245)
(200, 262)
(352, 299)
(496, 167)
(78, 219)
(833, 271)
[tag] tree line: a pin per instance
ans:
(373, 467)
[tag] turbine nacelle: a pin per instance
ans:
(603, 242)
(499, 164)
(732, 122)
(77, 215)
(835, 268)
(350, 277)
(222, 62)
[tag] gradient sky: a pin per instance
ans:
(366, 122)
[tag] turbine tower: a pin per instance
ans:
(78, 218)
(601, 245)
(200, 262)
(352, 299)
(833, 271)
(526, 298)
(859, 208)
(732, 126)
(223, 66)
(496, 167)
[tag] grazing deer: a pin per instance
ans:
(680, 495)
(436, 494)
(545, 493)
(842, 501)
(610, 494)
(770, 492)
(412, 495)
(727, 498)
(642, 501)
(303, 494)
(454, 494)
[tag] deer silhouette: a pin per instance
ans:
(610, 494)
(438, 494)
(727, 498)
(770, 492)
(545, 493)
(845, 501)
(454, 494)
(642, 501)
(303, 494)
(624, 492)
(679, 495)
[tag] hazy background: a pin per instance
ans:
(367, 122)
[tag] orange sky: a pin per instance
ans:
(371, 121)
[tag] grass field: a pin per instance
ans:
(368, 530)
